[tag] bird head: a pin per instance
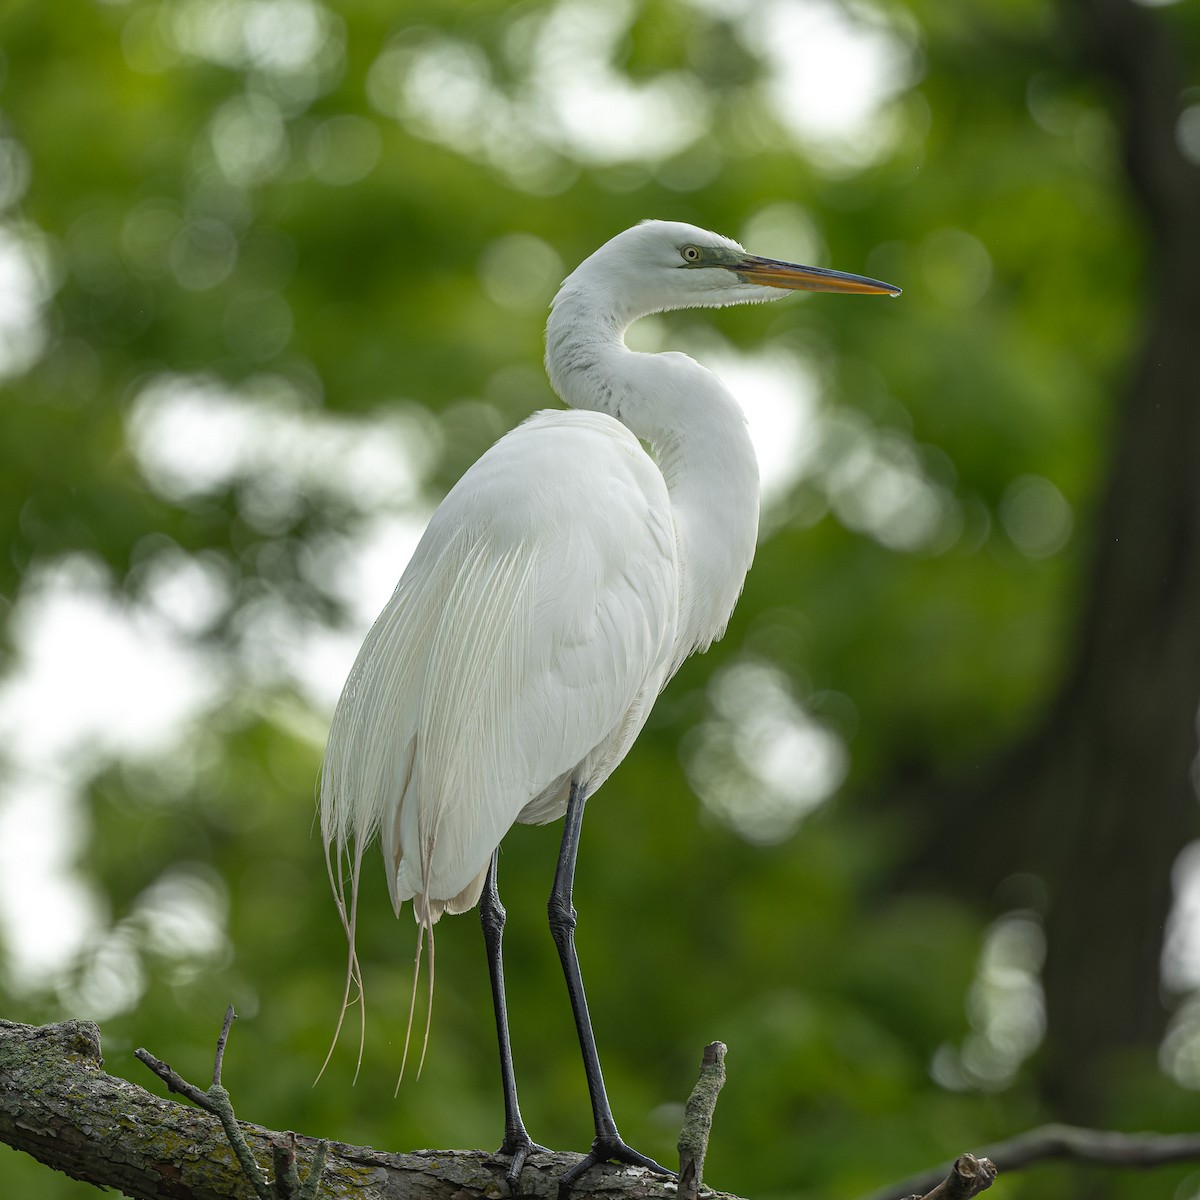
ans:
(662, 265)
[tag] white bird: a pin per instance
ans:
(558, 587)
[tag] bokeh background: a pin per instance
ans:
(915, 839)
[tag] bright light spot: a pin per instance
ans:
(778, 392)
(602, 115)
(784, 230)
(1187, 133)
(94, 678)
(280, 646)
(291, 49)
(274, 36)
(249, 139)
(520, 271)
(183, 914)
(874, 479)
(46, 911)
(283, 35)
(762, 763)
(210, 29)
(114, 678)
(180, 918)
(832, 69)
(189, 591)
(443, 93)
(194, 436)
(26, 283)
(1036, 516)
(877, 484)
(956, 266)
(362, 571)
(1005, 1006)
(112, 980)
(1181, 946)
(569, 99)
(441, 90)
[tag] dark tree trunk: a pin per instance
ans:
(1099, 800)
(1114, 766)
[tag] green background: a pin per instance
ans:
(277, 216)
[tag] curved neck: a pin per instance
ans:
(697, 435)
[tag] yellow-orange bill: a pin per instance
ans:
(769, 272)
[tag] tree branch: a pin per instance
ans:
(1095, 1146)
(216, 1101)
(1048, 1142)
(58, 1105)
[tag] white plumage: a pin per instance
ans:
(529, 623)
(558, 587)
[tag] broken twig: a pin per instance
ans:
(968, 1177)
(697, 1120)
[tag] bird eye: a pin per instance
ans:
(691, 254)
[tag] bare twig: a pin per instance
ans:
(968, 1177)
(697, 1120)
(216, 1100)
(219, 1060)
(175, 1083)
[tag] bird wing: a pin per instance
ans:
(523, 645)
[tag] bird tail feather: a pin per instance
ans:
(399, 730)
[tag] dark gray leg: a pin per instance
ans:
(517, 1142)
(608, 1146)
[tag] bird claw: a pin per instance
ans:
(518, 1147)
(608, 1150)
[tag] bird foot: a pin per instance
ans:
(518, 1147)
(607, 1150)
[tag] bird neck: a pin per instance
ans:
(697, 436)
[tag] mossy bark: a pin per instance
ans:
(58, 1104)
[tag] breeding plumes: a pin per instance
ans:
(557, 589)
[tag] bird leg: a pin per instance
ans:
(517, 1143)
(608, 1146)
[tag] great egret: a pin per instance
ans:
(557, 589)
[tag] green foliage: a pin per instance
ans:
(282, 218)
